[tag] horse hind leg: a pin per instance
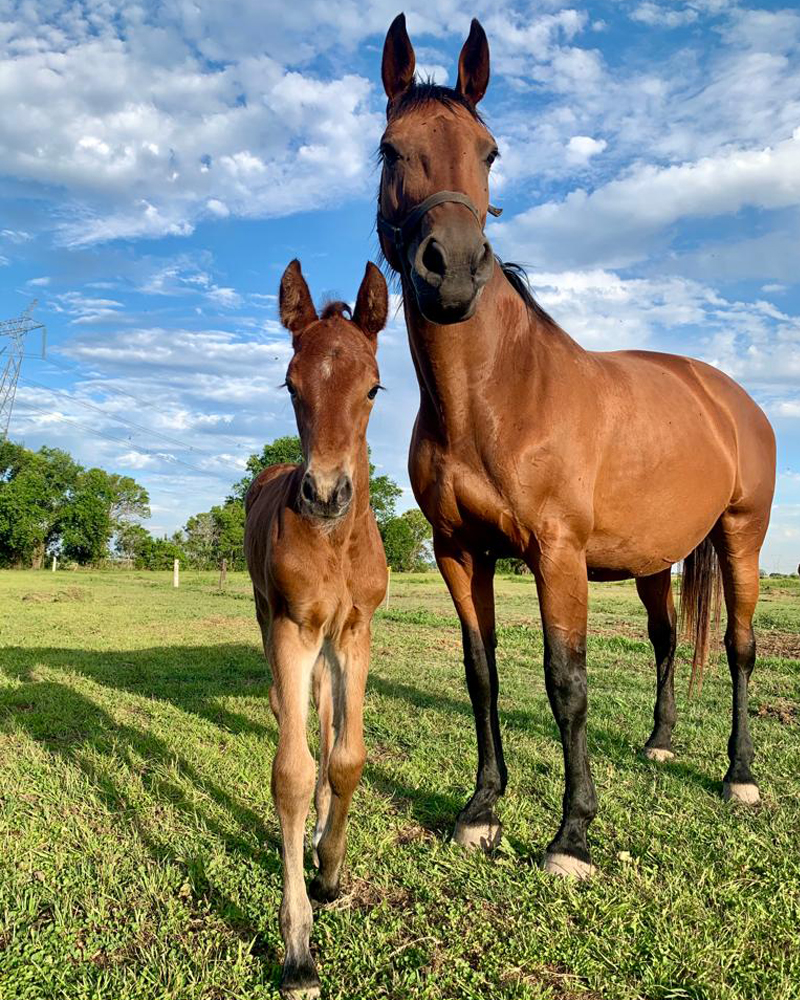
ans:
(655, 593)
(739, 564)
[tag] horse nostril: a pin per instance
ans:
(307, 490)
(434, 258)
(344, 491)
(482, 258)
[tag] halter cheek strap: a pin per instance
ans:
(399, 236)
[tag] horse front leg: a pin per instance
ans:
(469, 578)
(561, 583)
(293, 652)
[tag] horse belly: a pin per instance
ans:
(645, 524)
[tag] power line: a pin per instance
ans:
(113, 416)
(129, 443)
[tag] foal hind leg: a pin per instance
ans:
(348, 671)
(739, 564)
(323, 699)
(293, 652)
(655, 593)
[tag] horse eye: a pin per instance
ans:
(491, 157)
(291, 388)
(389, 154)
(373, 392)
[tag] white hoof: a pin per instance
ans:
(306, 993)
(567, 866)
(657, 754)
(485, 836)
(733, 791)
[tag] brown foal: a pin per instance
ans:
(319, 571)
(606, 465)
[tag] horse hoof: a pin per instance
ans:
(657, 754)
(485, 836)
(735, 791)
(567, 866)
(301, 993)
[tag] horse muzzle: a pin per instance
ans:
(448, 273)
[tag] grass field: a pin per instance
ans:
(139, 846)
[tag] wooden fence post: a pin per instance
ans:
(176, 573)
(388, 586)
(223, 574)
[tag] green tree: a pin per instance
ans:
(86, 523)
(34, 489)
(405, 541)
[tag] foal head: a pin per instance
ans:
(435, 142)
(332, 380)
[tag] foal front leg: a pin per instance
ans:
(563, 597)
(348, 675)
(293, 652)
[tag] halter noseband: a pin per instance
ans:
(399, 236)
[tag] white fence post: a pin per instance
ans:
(176, 573)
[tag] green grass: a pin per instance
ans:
(139, 846)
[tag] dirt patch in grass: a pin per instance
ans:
(361, 894)
(784, 711)
(784, 645)
(71, 594)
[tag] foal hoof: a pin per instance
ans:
(322, 893)
(300, 982)
(658, 754)
(567, 866)
(735, 791)
(484, 835)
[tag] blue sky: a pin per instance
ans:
(161, 164)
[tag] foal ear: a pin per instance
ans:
(473, 64)
(296, 308)
(372, 303)
(399, 61)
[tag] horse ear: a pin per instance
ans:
(372, 303)
(473, 64)
(296, 307)
(399, 61)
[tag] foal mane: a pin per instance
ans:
(423, 92)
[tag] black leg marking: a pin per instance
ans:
(482, 684)
(565, 678)
(741, 660)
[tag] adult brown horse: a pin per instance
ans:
(610, 465)
(318, 570)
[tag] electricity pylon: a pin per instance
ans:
(12, 349)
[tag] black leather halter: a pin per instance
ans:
(400, 236)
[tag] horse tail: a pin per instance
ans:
(701, 604)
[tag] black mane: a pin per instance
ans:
(517, 277)
(423, 92)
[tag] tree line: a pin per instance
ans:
(50, 505)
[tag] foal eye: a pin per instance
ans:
(373, 392)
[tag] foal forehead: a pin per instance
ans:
(331, 348)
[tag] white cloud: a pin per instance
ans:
(41, 282)
(581, 148)
(616, 224)
(660, 15)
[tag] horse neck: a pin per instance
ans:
(481, 364)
